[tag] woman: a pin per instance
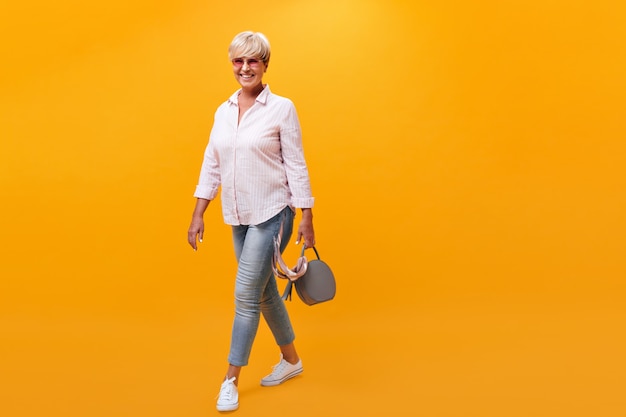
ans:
(255, 155)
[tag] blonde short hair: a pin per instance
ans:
(250, 44)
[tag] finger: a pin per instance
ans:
(298, 238)
(310, 241)
(191, 239)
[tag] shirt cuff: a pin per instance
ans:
(302, 202)
(205, 192)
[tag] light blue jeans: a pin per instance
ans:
(256, 291)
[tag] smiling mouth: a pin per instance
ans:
(247, 76)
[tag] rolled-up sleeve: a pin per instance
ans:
(210, 177)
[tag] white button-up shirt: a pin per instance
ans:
(259, 163)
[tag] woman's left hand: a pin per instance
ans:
(305, 229)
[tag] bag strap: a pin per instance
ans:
(316, 254)
(289, 288)
(287, 292)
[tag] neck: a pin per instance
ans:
(252, 92)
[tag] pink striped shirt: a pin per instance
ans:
(259, 163)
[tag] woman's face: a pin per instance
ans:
(248, 71)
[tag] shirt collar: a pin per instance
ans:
(261, 98)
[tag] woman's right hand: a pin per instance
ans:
(196, 228)
(195, 232)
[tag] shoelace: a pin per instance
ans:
(278, 368)
(227, 389)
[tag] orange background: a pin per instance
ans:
(468, 163)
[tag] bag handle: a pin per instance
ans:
(316, 254)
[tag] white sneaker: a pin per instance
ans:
(228, 399)
(281, 372)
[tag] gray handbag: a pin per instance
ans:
(314, 280)
(317, 284)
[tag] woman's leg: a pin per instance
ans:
(256, 290)
(272, 305)
(289, 353)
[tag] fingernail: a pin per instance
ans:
(200, 240)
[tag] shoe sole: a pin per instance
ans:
(227, 407)
(280, 381)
